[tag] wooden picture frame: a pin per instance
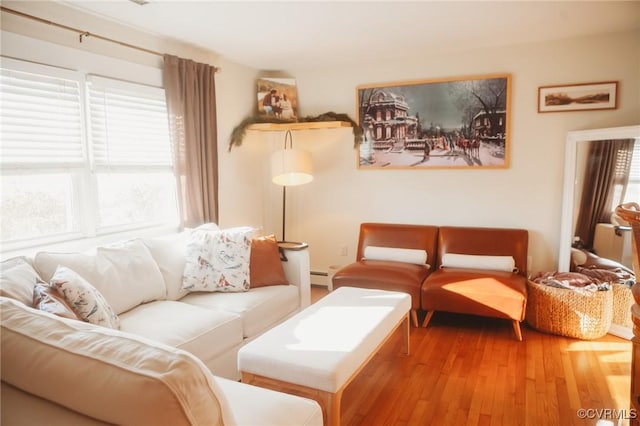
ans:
(277, 98)
(578, 97)
(447, 123)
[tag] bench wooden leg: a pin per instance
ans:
(425, 323)
(516, 328)
(414, 317)
(331, 404)
(406, 333)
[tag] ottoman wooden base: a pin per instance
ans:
(290, 357)
(329, 401)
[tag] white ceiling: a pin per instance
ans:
(271, 35)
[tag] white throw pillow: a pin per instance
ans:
(419, 257)
(17, 279)
(170, 253)
(126, 274)
(471, 261)
(218, 260)
(84, 299)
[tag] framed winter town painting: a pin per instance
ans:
(445, 123)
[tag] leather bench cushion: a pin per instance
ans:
(259, 309)
(186, 327)
(479, 292)
(384, 275)
(486, 242)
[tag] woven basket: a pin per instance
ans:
(580, 314)
(622, 302)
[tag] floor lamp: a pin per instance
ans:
(289, 167)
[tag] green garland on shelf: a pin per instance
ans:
(238, 132)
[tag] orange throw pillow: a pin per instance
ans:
(264, 264)
(47, 299)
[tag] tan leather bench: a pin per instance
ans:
(490, 293)
(390, 275)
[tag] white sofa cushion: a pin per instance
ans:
(126, 275)
(202, 332)
(84, 299)
(17, 279)
(74, 364)
(268, 408)
(218, 260)
(170, 253)
(253, 406)
(22, 408)
(47, 298)
(260, 309)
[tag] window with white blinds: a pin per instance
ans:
(40, 117)
(633, 186)
(128, 124)
(80, 156)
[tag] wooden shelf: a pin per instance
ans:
(271, 127)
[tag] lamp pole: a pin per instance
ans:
(284, 211)
(289, 167)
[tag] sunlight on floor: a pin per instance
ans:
(599, 346)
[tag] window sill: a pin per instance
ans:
(84, 244)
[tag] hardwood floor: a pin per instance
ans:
(467, 370)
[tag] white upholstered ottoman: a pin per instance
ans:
(317, 352)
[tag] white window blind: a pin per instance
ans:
(128, 124)
(634, 173)
(80, 156)
(633, 185)
(41, 120)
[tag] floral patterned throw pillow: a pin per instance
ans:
(46, 298)
(218, 260)
(85, 300)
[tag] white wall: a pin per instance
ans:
(326, 213)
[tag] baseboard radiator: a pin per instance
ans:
(613, 242)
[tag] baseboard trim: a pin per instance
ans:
(620, 331)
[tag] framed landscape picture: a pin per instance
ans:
(445, 123)
(278, 98)
(578, 97)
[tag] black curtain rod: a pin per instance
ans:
(82, 33)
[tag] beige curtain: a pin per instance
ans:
(605, 183)
(191, 102)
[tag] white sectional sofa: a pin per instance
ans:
(141, 280)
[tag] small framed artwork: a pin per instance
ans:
(447, 123)
(278, 98)
(578, 97)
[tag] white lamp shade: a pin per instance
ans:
(290, 167)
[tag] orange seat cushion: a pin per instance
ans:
(384, 275)
(486, 293)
